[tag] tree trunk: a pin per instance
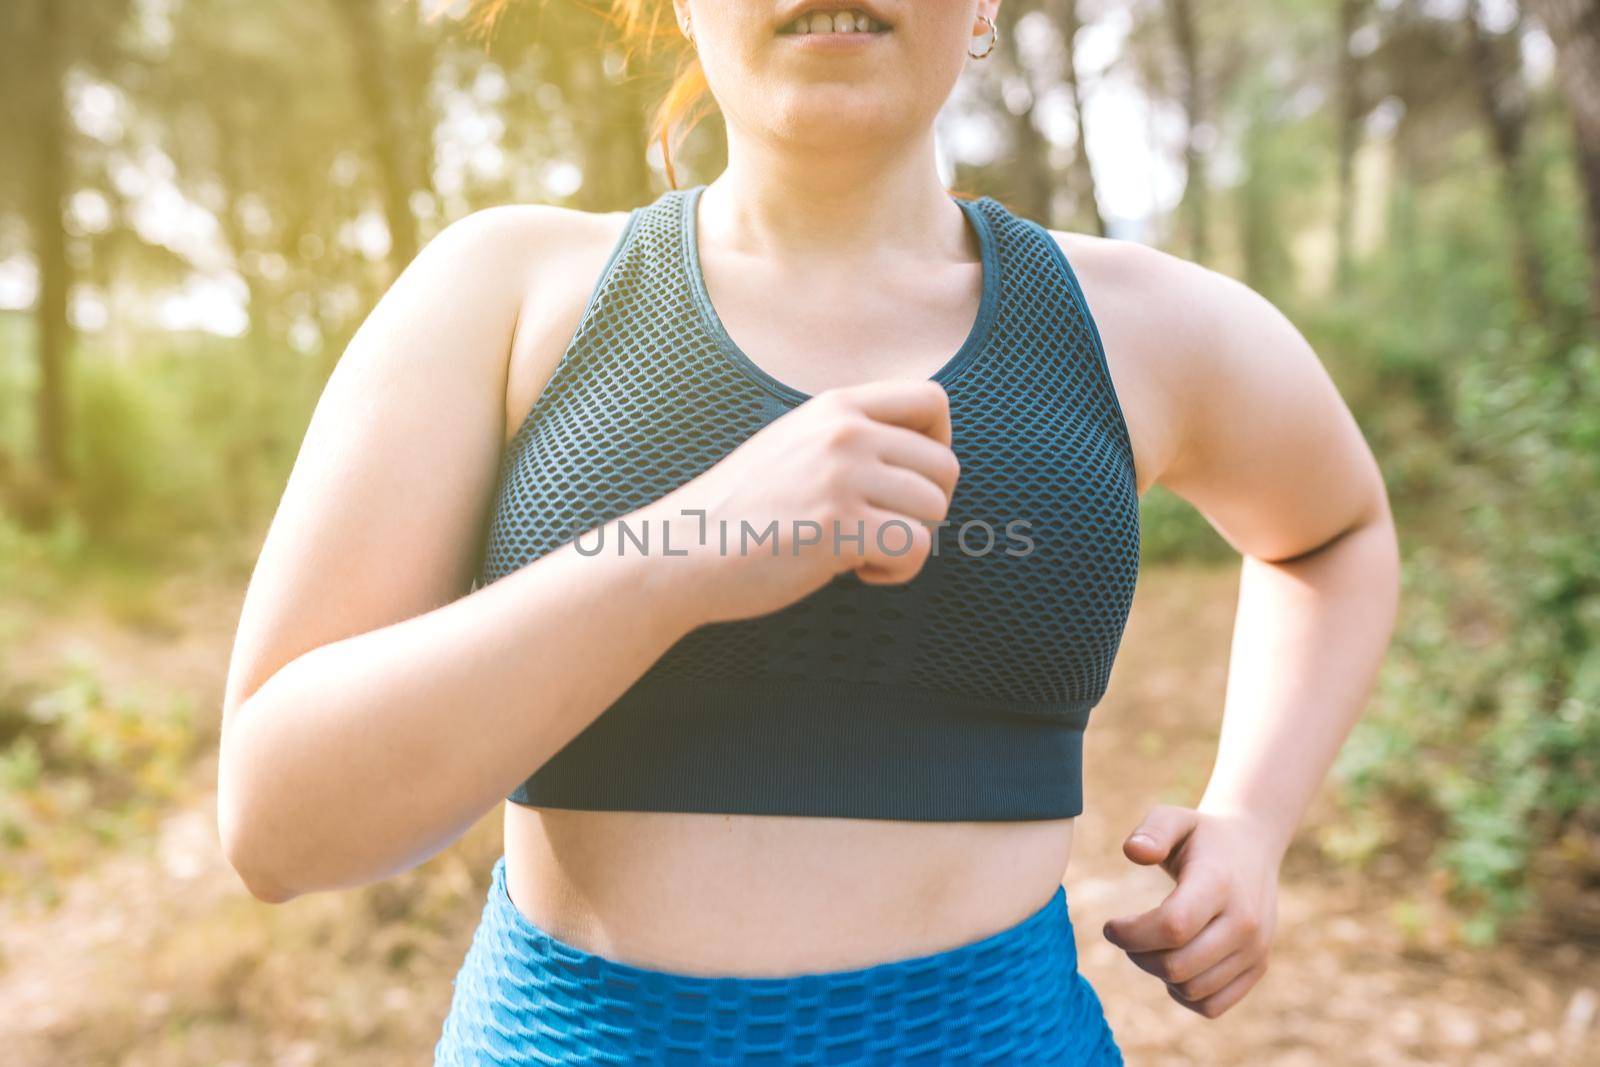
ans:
(1350, 111)
(230, 220)
(1032, 177)
(47, 189)
(615, 168)
(364, 26)
(1186, 34)
(1501, 99)
(1266, 269)
(1574, 26)
(1403, 223)
(628, 174)
(418, 59)
(1081, 170)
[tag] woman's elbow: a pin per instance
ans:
(245, 838)
(249, 860)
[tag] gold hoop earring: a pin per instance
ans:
(994, 35)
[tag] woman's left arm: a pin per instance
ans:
(1268, 452)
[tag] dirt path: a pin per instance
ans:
(156, 956)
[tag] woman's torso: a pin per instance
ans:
(745, 894)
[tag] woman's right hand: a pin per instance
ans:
(875, 459)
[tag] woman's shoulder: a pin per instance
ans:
(1148, 291)
(521, 272)
(1121, 275)
(1176, 333)
(526, 241)
(1228, 399)
(545, 260)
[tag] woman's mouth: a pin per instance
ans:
(833, 23)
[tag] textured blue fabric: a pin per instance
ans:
(1015, 998)
(960, 695)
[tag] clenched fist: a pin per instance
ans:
(847, 481)
(1210, 938)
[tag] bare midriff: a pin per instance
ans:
(769, 896)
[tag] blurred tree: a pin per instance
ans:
(573, 96)
(366, 34)
(1031, 179)
(44, 42)
(1352, 108)
(1033, 62)
(1266, 265)
(1186, 38)
(272, 150)
(1420, 64)
(1496, 61)
(1271, 104)
(1187, 58)
(1574, 26)
(1082, 172)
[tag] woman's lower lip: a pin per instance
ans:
(833, 42)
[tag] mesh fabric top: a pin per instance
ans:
(962, 694)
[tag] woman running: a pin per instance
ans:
(767, 547)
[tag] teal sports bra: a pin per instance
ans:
(962, 694)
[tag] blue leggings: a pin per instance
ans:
(1015, 998)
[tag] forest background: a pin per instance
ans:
(200, 200)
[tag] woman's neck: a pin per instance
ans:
(853, 207)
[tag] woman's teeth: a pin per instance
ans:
(837, 22)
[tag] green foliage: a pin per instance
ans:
(83, 767)
(1483, 736)
(180, 445)
(131, 462)
(31, 562)
(1489, 711)
(1171, 530)
(16, 380)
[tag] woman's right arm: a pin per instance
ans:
(373, 713)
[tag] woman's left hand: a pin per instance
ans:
(1209, 939)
